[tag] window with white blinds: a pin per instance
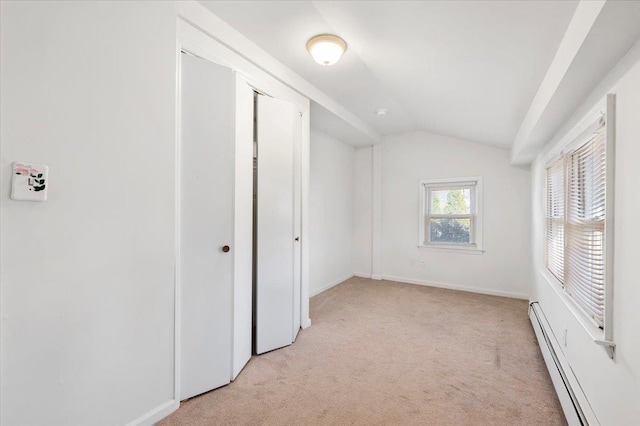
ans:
(576, 213)
(555, 218)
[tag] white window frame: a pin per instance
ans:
(570, 142)
(426, 186)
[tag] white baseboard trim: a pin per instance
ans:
(376, 277)
(361, 275)
(157, 414)
(328, 286)
(457, 287)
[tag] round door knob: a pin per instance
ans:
(225, 249)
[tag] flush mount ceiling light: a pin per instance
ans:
(381, 112)
(326, 49)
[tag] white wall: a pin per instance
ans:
(331, 216)
(504, 267)
(88, 88)
(611, 387)
(362, 211)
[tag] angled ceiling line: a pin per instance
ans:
(202, 18)
(577, 31)
(387, 92)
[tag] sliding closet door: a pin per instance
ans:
(206, 224)
(275, 225)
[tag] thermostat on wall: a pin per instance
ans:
(29, 182)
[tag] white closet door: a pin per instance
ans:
(243, 250)
(297, 222)
(275, 226)
(206, 224)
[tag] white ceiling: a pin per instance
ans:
(466, 69)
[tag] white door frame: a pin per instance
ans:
(199, 43)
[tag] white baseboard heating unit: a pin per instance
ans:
(574, 404)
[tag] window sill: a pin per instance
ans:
(590, 326)
(467, 249)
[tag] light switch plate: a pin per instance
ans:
(29, 182)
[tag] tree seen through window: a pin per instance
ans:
(445, 224)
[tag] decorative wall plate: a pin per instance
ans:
(29, 182)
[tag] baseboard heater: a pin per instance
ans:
(571, 404)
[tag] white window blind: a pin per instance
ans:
(555, 218)
(575, 228)
(585, 225)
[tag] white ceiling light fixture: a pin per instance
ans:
(381, 112)
(326, 49)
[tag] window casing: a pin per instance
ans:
(450, 216)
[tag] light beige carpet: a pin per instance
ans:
(385, 353)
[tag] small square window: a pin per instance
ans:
(450, 216)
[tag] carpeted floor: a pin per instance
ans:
(385, 353)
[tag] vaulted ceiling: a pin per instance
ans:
(466, 69)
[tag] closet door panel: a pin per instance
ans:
(243, 251)
(275, 225)
(206, 224)
(297, 222)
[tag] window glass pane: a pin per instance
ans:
(451, 201)
(453, 231)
